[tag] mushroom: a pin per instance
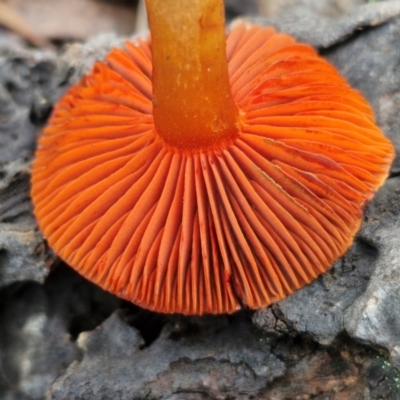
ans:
(201, 172)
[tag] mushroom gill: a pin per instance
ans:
(212, 178)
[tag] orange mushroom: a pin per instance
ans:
(192, 177)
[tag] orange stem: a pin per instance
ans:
(192, 99)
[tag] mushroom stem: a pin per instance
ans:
(192, 99)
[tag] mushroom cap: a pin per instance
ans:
(208, 230)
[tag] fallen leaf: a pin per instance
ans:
(76, 19)
(12, 20)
